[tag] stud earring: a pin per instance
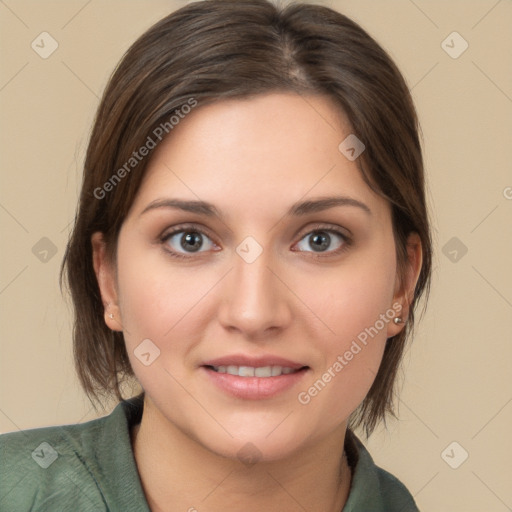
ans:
(398, 320)
(110, 315)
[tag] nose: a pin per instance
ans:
(255, 301)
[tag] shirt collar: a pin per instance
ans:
(119, 479)
(365, 484)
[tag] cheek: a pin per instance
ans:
(153, 309)
(355, 304)
(352, 296)
(164, 304)
(145, 293)
(154, 293)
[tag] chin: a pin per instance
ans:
(252, 449)
(274, 438)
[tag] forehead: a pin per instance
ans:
(255, 154)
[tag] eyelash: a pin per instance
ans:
(347, 242)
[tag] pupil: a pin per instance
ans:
(320, 241)
(193, 240)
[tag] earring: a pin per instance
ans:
(398, 320)
(110, 315)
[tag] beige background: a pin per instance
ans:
(457, 384)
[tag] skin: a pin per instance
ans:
(252, 159)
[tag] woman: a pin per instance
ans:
(250, 245)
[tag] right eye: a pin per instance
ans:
(184, 242)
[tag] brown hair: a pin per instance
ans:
(216, 49)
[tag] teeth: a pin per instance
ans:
(276, 370)
(232, 370)
(250, 371)
(264, 371)
(246, 371)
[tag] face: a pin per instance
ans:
(256, 277)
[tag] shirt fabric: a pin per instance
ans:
(90, 467)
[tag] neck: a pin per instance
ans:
(180, 474)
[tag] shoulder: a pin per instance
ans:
(374, 488)
(394, 494)
(46, 468)
(64, 467)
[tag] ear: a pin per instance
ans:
(404, 290)
(107, 282)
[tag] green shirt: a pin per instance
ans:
(90, 467)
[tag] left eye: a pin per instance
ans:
(321, 241)
(189, 241)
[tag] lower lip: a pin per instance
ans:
(254, 388)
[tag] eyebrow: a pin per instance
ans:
(297, 209)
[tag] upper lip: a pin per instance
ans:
(256, 362)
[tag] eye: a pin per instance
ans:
(187, 241)
(323, 240)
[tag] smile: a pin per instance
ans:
(252, 371)
(254, 382)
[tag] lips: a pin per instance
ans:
(254, 378)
